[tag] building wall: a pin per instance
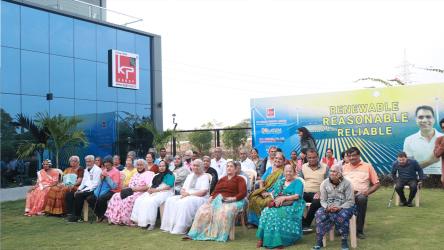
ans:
(44, 52)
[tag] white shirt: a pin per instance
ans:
(202, 183)
(91, 179)
(171, 166)
(220, 167)
(160, 159)
(247, 164)
(420, 149)
(269, 164)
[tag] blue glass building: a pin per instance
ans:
(45, 50)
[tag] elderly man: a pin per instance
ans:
(156, 161)
(406, 170)
(91, 180)
(337, 207)
(421, 144)
(268, 161)
(239, 171)
(181, 173)
(163, 154)
(116, 163)
(132, 154)
(245, 162)
(438, 152)
(361, 174)
(314, 173)
(110, 186)
(188, 163)
(219, 163)
(169, 159)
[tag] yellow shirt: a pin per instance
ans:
(129, 174)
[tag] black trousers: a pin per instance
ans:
(315, 205)
(74, 204)
(361, 201)
(412, 183)
(102, 204)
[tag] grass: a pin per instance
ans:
(395, 228)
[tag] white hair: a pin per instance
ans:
(76, 157)
(243, 150)
(155, 151)
(90, 157)
(142, 160)
(339, 168)
(189, 151)
(206, 156)
(220, 149)
(280, 153)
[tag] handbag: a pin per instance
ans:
(271, 203)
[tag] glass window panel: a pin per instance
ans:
(106, 107)
(143, 50)
(35, 73)
(31, 105)
(62, 106)
(143, 111)
(125, 41)
(105, 93)
(10, 21)
(61, 35)
(10, 77)
(34, 30)
(62, 76)
(85, 79)
(143, 94)
(106, 131)
(84, 40)
(126, 95)
(10, 134)
(106, 40)
(88, 110)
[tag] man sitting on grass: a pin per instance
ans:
(406, 169)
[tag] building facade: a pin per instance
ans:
(55, 61)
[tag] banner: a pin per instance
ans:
(380, 122)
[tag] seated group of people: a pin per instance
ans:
(206, 210)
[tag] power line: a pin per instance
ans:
(221, 77)
(251, 75)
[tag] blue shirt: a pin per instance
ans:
(407, 171)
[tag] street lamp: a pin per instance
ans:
(174, 119)
(174, 139)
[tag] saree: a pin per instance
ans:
(35, 200)
(257, 203)
(325, 221)
(213, 221)
(282, 226)
(55, 204)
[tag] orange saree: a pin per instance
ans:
(35, 199)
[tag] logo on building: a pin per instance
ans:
(123, 69)
(275, 131)
(270, 113)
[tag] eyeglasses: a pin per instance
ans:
(288, 172)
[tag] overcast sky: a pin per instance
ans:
(217, 55)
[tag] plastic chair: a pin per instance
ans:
(233, 223)
(352, 223)
(252, 174)
(416, 197)
(162, 206)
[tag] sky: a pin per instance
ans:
(217, 55)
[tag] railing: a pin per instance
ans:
(89, 10)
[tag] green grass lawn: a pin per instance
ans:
(395, 228)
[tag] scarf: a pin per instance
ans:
(158, 179)
(337, 183)
(194, 178)
(181, 165)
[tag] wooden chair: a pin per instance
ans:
(252, 175)
(416, 197)
(352, 233)
(162, 206)
(233, 223)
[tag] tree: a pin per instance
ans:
(9, 136)
(62, 134)
(39, 133)
(233, 139)
(160, 139)
(200, 141)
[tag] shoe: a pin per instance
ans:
(151, 227)
(74, 220)
(403, 204)
(316, 248)
(307, 229)
(360, 236)
(409, 205)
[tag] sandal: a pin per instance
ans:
(251, 226)
(259, 244)
(101, 219)
(187, 238)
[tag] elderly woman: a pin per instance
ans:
(55, 204)
(119, 210)
(181, 173)
(214, 218)
(130, 170)
(337, 207)
(180, 210)
(209, 170)
(145, 208)
(37, 195)
(99, 163)
(280, 224)
(150, 165)
(260, 197)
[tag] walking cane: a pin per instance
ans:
(100, 189)
(391, 198)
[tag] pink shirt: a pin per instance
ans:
(114, 174)
(189, 166)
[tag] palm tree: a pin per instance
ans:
(40, 134)
(160, 138)
(63, 133)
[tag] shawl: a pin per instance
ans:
(158, 179)
(259, 204)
